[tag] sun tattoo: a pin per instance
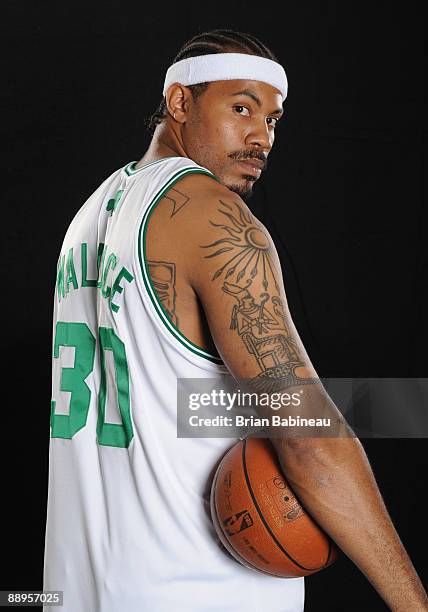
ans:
(251, 249)
(258, 315)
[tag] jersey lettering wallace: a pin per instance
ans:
(67, 279)
(68, 419)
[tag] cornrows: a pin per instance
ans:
(216, 41)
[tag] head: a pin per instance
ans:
(227, 126)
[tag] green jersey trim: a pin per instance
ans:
(145, 272)
(130, 168)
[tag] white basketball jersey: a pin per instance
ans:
(128, 524)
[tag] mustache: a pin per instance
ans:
(243, 155)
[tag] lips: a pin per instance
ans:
(252, 166)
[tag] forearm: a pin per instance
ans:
(333, 479)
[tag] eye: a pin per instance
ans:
(240, 110)
(272, 121)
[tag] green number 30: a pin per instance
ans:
(72, 380)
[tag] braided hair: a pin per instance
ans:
(216, 41)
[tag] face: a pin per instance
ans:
(230, 129)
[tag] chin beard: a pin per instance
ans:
(245, 194)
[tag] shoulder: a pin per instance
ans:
(198, 211)
(213, 225)
(200, 197)
(199, 186)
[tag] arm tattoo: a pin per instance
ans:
(259, 319)
(162, 274)
(178, 200)
(247, 245)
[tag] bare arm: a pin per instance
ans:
(236, 273)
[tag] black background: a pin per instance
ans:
(343, 198)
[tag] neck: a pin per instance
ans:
(166, 142)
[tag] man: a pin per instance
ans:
(165, 274)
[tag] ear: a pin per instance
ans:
(177, 101)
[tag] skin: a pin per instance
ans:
(220, 280)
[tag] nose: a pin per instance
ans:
(260, 135)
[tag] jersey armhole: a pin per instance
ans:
(160, 310)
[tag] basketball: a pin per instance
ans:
(258, 518)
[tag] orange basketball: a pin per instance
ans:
(258, 517)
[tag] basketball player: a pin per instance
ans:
(164, 273)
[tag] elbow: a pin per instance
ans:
(296, 446)
(301, 455)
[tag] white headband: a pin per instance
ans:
(226, 67)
